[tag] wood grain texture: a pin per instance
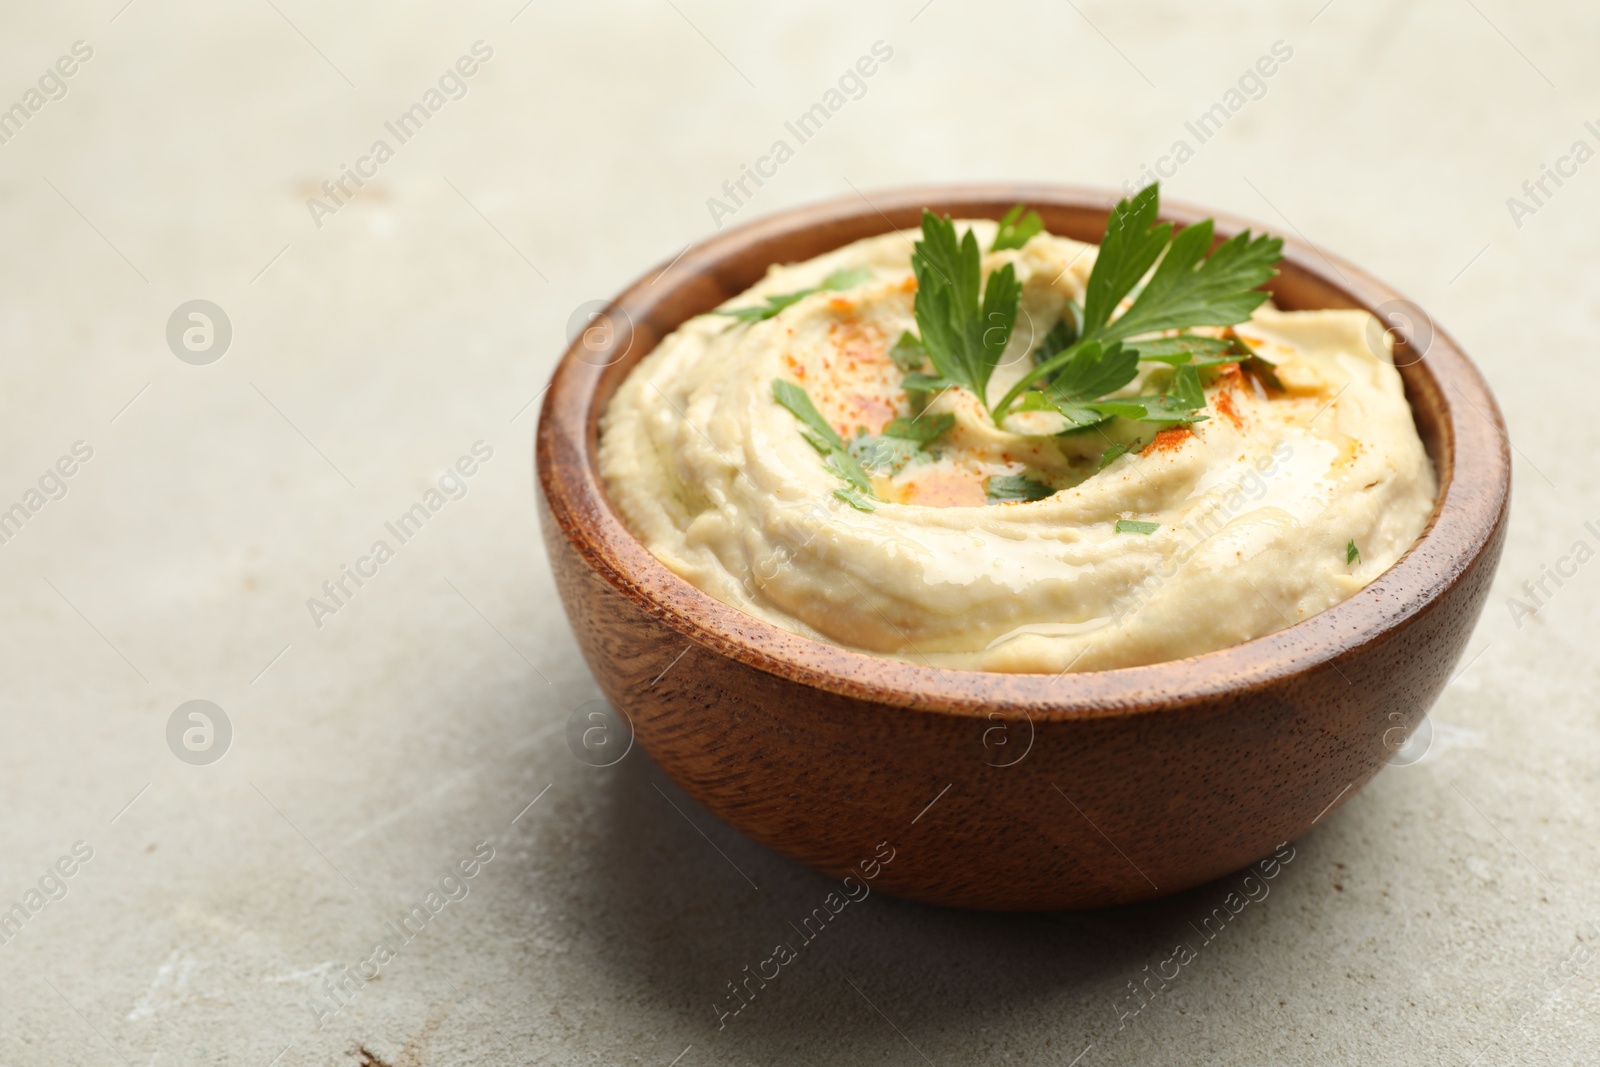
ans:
(1052, 791)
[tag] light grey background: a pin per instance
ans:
(1433, 919)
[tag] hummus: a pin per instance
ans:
(1280, 504)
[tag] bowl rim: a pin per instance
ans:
(1472, 462)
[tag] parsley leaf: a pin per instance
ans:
(1059, 339)
(1189, 288)
(847, 467)
(964, 328)
(1202, 352)
(908, 353)
(1005, 488)
(1181, 402)
(922, 430)
(1264, 369)
(766, 311)
(1135, 526)
(1078, 416)
(918, 386)
(885, 455)
(1095, 371)
(1016, 228)
(854, 499)
(1192, 289)
(1352, 554)
(823, 438)
(903, 441)
(1111, 454)
(1131, 245)
(848, 278)
(798, 401)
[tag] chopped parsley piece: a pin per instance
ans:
(845, 466)
(839, 279)
(1017, 228)
(908, 353)
(964, 325)
(1005, 488)
(1134, 526)
(923, 430)
(1189, 288)
(885, 455)
(855, 499)
(917, 382)
(1110, 455)
(798, 401)
(821, 436)
(848, 278)
(1352, 554)
(902, 442)
(1263, 369)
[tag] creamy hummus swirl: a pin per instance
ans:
(1257, 507)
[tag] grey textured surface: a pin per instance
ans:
(1442, 915)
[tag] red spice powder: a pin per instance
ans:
(1168, 440)
(854, 385)
(1223, 402)
(1230, 379)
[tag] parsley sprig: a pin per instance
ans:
(965, 325)
(1174, 281)
(1189, 288)
(1017, 227)
(839, 279)
(836, 455)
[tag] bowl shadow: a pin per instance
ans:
(685, 913)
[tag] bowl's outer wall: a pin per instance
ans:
(1051, 793)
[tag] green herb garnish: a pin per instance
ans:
(839, 279)
(922, 430)
(908, 353)
(964, 325)
(1135, 526)
(1005, 488)
(1189, 288)
(798, 401)
(1261, 368)
(917, 382)
(1110, 455)
(823, 438)
(1199, 352)
(1017, 228)
(884, 455)
(1059, 339)
(847, 467)
(1093, 371)
(855, 499)
(903, 441)
(1352, 554)
(1180, 402)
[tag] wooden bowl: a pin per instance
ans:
(1015, 791)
